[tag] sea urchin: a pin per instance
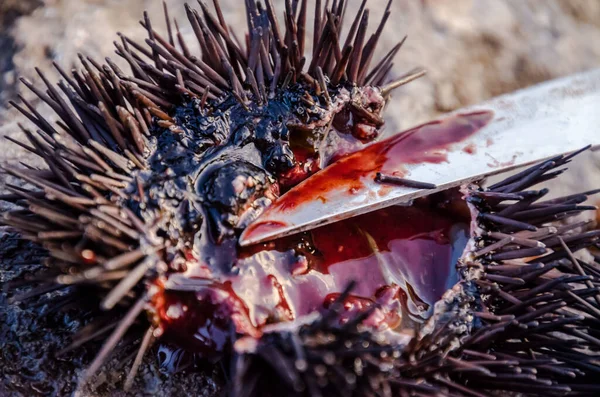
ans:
(153, 175)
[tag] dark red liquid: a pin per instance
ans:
(203, 321)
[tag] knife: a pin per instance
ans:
(510, 131)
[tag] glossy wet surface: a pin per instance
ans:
(402, 258)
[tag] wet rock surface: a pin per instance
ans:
(472, 49)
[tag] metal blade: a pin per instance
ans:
(510, 131)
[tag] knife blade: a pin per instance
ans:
(510, 131)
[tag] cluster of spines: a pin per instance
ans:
(543, 303)
(271, 60)
(523, 318)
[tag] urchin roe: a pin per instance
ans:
(401, 258)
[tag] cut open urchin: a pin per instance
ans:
(153, 174)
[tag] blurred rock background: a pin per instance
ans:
(472, 49)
